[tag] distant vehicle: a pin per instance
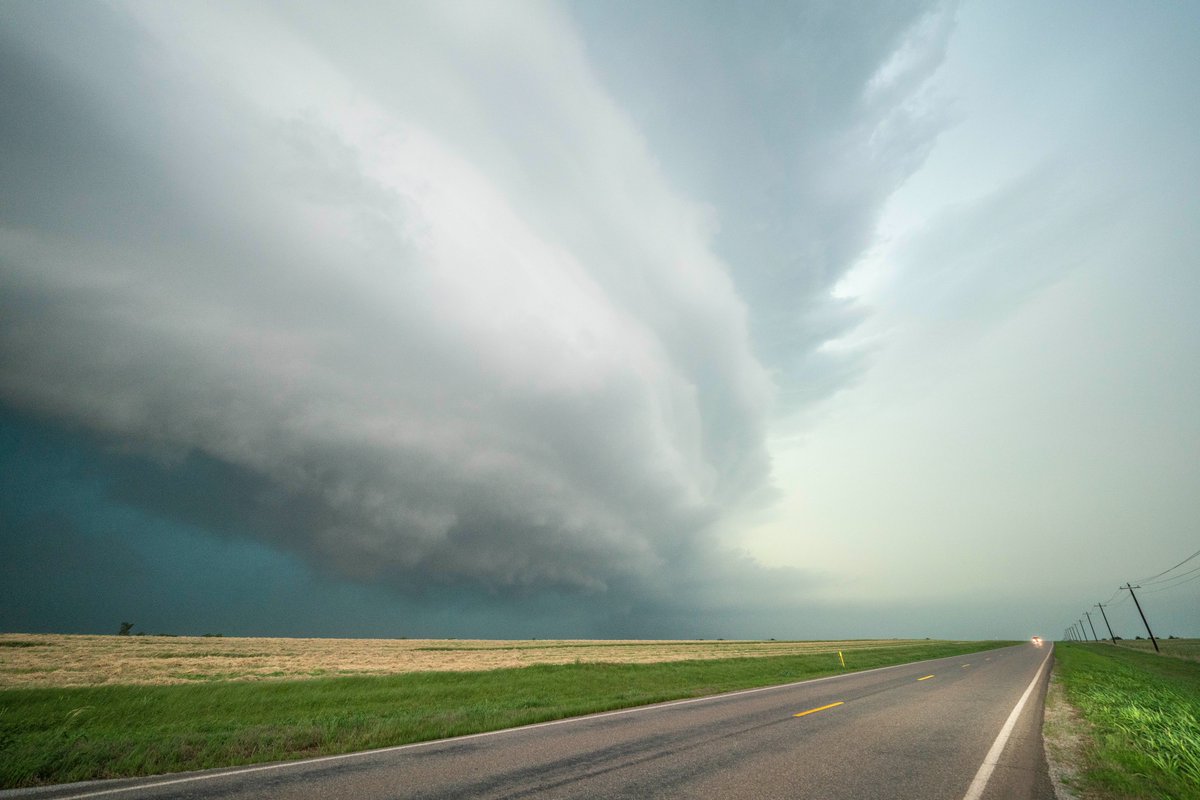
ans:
(1037, 640)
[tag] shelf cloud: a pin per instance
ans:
(411, 293)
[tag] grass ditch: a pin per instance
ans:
(1142, 721)
(56, 735)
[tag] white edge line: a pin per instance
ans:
(361, 753)
(975, 790)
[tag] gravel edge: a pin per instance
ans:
(1065, 734)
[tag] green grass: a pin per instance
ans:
(70, 734)
(1144, 715)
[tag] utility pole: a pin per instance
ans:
(1110, 633)
(1143, 615)
(1093, 626)
(1083, 630)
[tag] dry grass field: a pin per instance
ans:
(37, 660)
(1188, 649)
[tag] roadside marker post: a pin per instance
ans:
(842, 659)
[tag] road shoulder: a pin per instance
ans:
(1065, 733)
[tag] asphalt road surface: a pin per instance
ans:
(961, 727)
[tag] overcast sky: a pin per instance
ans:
(584, 319)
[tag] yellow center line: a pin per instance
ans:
(815, 710)
(927, 677)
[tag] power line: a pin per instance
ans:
(1191, 571)
(1165, 571)
(1165, 585)
(1160, 582)
(1175, 577)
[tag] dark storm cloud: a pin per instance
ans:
(406, 293)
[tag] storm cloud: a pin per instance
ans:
(405, 291)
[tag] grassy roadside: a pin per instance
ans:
(71, 734)
(1141, 721)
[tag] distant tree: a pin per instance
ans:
(126, 627)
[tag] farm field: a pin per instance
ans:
(124, 725)
(1178, 648)
(35, 660)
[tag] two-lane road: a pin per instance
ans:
(960, 727)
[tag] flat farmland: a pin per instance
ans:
(85, 707)
(1178, 648)
(47, 661)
